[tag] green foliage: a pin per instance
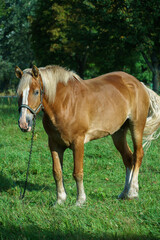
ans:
(90, 37)
(15, 38)
(111, 35)
(102, 217)
(140, 33)
(5, 72)
(65, 31)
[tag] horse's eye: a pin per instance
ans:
(36, 92)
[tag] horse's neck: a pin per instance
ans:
(64, 96)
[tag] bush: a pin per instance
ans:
(7, 76)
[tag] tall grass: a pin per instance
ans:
(102, 217)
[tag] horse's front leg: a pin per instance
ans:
(57, 157)
(78, 153)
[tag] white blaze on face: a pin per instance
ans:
(23, 113)
(25, 118)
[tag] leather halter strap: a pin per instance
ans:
(34, 112)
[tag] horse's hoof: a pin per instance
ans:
(128, 196)
(123, 195)
(60, 201)
(80, 202)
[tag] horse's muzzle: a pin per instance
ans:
(25, 124)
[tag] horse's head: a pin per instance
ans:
(30, 96)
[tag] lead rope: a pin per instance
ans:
(30, 154)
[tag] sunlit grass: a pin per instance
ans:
(102, 217)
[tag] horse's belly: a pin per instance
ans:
(93, 134)
(99, 129)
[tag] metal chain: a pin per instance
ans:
(30, 154)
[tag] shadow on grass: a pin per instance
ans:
(31, 186)
(35, 233)
(5, 183)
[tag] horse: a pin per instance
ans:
(77, 111)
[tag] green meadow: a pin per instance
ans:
(102, 217)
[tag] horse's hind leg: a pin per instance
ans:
(132, 161)
(119, 139)
(57, 157)
(136, 129)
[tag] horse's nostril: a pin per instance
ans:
(29, 119)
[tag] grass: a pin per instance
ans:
(102, 217)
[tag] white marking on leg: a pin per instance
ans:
(133, 187)
(81, 196)
(61, 194)
(131, 184)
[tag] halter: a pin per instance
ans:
(34, 112)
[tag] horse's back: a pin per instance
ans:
(117, 79)
(113, 97)
(119, 85)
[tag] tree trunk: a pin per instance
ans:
(155, 68)
(80, 69)
(156, 79)
(81, 64)
(156, 72)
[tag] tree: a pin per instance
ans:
(64, 32)
(108, 34)
(15, 48)
(147, 33)
(142, 32)
(81, 35)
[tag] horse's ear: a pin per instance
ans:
(35, 71)
(18, 72)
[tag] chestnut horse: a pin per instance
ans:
(77, 111)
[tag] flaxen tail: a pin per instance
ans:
(153, 120)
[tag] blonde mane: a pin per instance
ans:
(51, 75)
(25, 81)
